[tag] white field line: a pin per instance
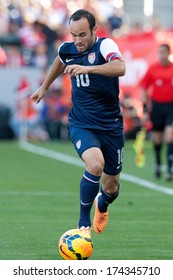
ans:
(78, 162)
(32, 193)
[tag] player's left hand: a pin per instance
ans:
(75, 69)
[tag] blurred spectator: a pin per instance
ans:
(156, 24)
(115, 20)
(31, 39)
(6, 131)
(28, 114)
(39, 57)
(4, 20)
(132, 113)
(3, 57)
(50, 35)
(136, 29)
(11, 37)
(14, 55)
(55, 112)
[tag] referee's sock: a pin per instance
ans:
(157, 150)
(169, 156)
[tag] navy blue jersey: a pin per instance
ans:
(95, 98)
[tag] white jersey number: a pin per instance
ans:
(120, 155)
(82, 80)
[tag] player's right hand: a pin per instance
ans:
(38, 95)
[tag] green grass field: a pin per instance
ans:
(39, 201)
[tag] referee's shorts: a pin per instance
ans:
(161, 115)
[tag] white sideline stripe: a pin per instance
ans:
(51, 154)
(33, 193)
(146, 184)
(74, 161)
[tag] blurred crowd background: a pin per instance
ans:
(30, 34)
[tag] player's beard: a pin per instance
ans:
(91, 42)
(83, 47)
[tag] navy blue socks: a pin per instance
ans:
(105, 199)
(89, 188)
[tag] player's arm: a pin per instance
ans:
(145, 85)
(112, 69)
(114, 64)
(144, 96)
(146, 109)
(56, 70)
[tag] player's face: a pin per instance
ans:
(83, 37)
(163, 54)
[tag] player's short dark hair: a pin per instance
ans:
(82, 13)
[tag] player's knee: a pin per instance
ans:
(96, 168)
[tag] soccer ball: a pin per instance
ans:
(75, 244)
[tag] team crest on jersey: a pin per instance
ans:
(91, 58)
(78, 144)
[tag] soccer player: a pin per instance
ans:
(157, 92)
(95, 121)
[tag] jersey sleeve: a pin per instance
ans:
(110, 51)
(145, 82)
(60, 53)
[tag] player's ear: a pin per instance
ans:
(95, 29)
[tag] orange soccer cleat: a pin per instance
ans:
(100, 219)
